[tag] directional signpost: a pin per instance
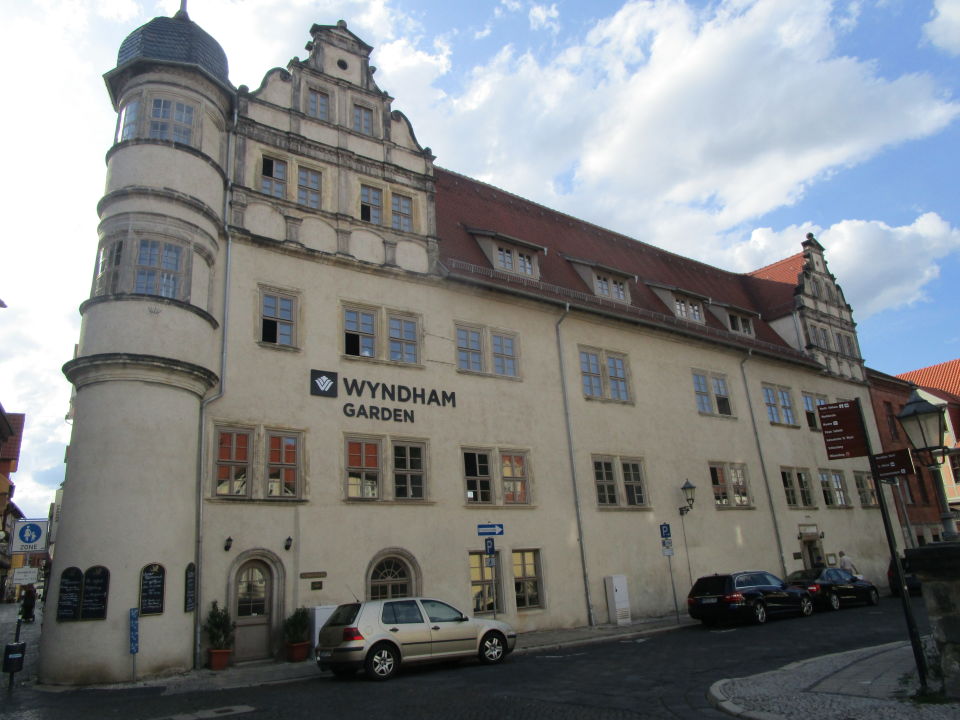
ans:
(487, 531)
(892, 466)
(490, 529)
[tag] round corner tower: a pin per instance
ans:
(148, 355)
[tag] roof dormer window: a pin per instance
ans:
(741, 324)
(505, 258)
(509, 254)
(602, 285)
(688, 308)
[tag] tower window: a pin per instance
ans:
(171, 120)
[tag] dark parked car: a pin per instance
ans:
(913, 582)
(832, 587)
(750, 595)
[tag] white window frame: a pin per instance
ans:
(309, 187)
(401, 212)
(866, 489)
(779, 403)
(371, 204)
(370, 333)
(283, 464)
(274, 176)
(730, 485)
(833, 487)
(811, 401)
(362, 121)
(712, 394)
(617, 486)
(176, 121)
(613, 386)
(687, 308)
(489, 348)
(502, 471)
(318, 104)
(527, 573)
(283, 320)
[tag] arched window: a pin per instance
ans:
(390, 579)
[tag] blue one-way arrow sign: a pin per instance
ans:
(490, 529)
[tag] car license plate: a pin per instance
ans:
(324, 654)
(708, 601)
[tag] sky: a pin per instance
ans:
(723, 130)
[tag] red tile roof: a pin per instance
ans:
(945, 376)
(463, 203)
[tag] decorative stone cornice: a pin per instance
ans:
(111, 367)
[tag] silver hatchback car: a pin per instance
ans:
(379, 635)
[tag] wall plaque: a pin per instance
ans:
(68, 603)
(152, 581)
(96, 586)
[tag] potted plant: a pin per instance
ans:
(219, 629)
(296, 631)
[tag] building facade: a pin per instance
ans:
(315, 366)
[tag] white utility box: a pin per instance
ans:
(618, 600)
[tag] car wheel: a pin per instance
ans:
(833, 601)
(343, 670)
(382, 662)
(493, 648)
(759, 613)
(873, 597)
(806, 607)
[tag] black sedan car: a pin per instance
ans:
(832, 587)
(751, 595)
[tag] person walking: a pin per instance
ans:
(847, 564)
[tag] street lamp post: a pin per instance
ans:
(689, 489)
(925, 426)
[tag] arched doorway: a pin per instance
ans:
(252, 608)
(393, 573)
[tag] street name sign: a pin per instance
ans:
(893, 465)
(842, 430)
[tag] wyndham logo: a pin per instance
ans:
(323, 383)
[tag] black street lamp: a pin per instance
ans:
(925, 426)
(688, 489)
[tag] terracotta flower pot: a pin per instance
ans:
(219, 658)
(298, 652)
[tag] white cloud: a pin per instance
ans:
(944, 29)
(544, 17)
(879, 267)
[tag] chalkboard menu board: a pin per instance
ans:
(151, 589)
(190, 588)
(96, 585)
(68, 604)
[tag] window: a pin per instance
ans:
(525, 263)
(505, 258)
(619, 477)
(866, 489)
(603, 375)
(363, 119)
(602, 286)
(308, 188)
(892, 424)
(273, 177)
(159, 269)
(171, 120)
(741, 324)
(363, 469)
(129, 117)
(402, 216)
(108, 268)
(810, 404)
(277, 318)
(688, 309)
(526, 578)
(711, 394)
(359, 328)
(779, 405)
(473, 345)
(619, 290)
(282, 465)
(403, 339)
(483, 583)
(390, 578)
(729, 483)
(371, 204)
(233, 463)
(514, 473)
(408, 471)
(955, 468)
(469, 350)
(796, 487)
(504, 354)
(511, 487)
(834, 488)
(318, 104)
(476, 470)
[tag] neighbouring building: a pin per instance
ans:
(11, 437)
(915, 495)
(313, 364)
(943, 382)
